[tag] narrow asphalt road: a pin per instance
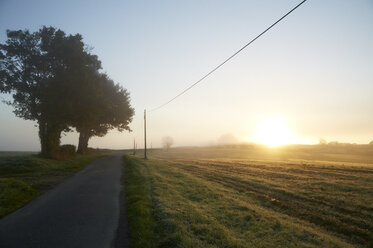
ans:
(83, 211)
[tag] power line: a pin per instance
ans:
(225, 61)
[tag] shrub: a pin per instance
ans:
(65, 152)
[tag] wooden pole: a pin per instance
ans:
(145, 157)
(134, 147)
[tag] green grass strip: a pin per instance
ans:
(14, 194)
(139, 204)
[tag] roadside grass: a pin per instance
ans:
(139, 204)
(14, 194)
(187, 201)
(23, 177)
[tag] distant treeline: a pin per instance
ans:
(324, 144)
(56, 81)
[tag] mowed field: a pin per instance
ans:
(241, 197)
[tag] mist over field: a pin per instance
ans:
(311, 74)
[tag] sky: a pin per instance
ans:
(312, 73)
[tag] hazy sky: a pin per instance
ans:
(314, 70)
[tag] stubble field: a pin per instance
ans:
(210, 197)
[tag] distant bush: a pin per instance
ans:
(65, 152)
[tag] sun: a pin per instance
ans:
(273, 131)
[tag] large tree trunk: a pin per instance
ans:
(49, 135)
(83, 142)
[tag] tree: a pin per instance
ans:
(167, 142)
(37, 69)
(322, 141)
(103, 106)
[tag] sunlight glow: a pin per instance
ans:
(273, 131)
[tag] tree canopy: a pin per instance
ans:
(105, 106)
(55, 81)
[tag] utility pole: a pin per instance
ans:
(145, 157)
(134, 146)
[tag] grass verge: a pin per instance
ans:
(139, 204)
(22, 178)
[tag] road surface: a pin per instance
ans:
(83, 211)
